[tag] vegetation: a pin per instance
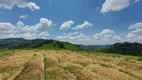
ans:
(126, 48)
(5, 53)
(59, 65)
(45, 66)
(19, 43)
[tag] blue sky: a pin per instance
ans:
(77, 21)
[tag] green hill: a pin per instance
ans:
(19, 43)
(57, 45)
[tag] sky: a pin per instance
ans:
(87, 22)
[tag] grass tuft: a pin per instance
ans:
(105, 65)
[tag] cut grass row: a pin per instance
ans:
(31, 70)
(74, 65)
(25, 66)
(45, 65)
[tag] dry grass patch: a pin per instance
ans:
(67, 65)
(57, 73)
(30, 72)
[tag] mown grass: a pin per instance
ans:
(29, 72)
(83, 66)
(127, 72)
(25, 67)
(72, 68)
(45, 66)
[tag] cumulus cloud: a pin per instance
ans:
(44, 25)
(72, 36)
(20, 24)
(115, 5)
(73, 33)
(23, 16)
(33, 6)
(136, 26)
(105, 34)
(107, 31)
(43, 35)
(9, 4)
(20, 30)
(66, 25)
(86, 24)
(7, 28)
(136, 31)
(28, 35)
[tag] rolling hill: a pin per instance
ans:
(20, 43)
(126, 48)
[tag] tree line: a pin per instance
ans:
(126, 48)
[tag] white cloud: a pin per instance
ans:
(43, 35)
(117, 38)
(7, 28)
(136, 31)
(72, 36)
(66, 25)
(136, 26)
(44, 25)
(114, 5)
(9, 4)
(107, 31)
(131, 35)
(33, 6)
(105, 34)
(86, 24)
(20, 30)
(27, 35)
(20, 24)
(73, 33)
(23, 16)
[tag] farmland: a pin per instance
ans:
(67, 65)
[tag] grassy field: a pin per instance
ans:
(67, 65)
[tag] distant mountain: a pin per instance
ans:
(20, 43)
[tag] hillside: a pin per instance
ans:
(57, 45)
(67, 65)
(19, 43)
(126, 48)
